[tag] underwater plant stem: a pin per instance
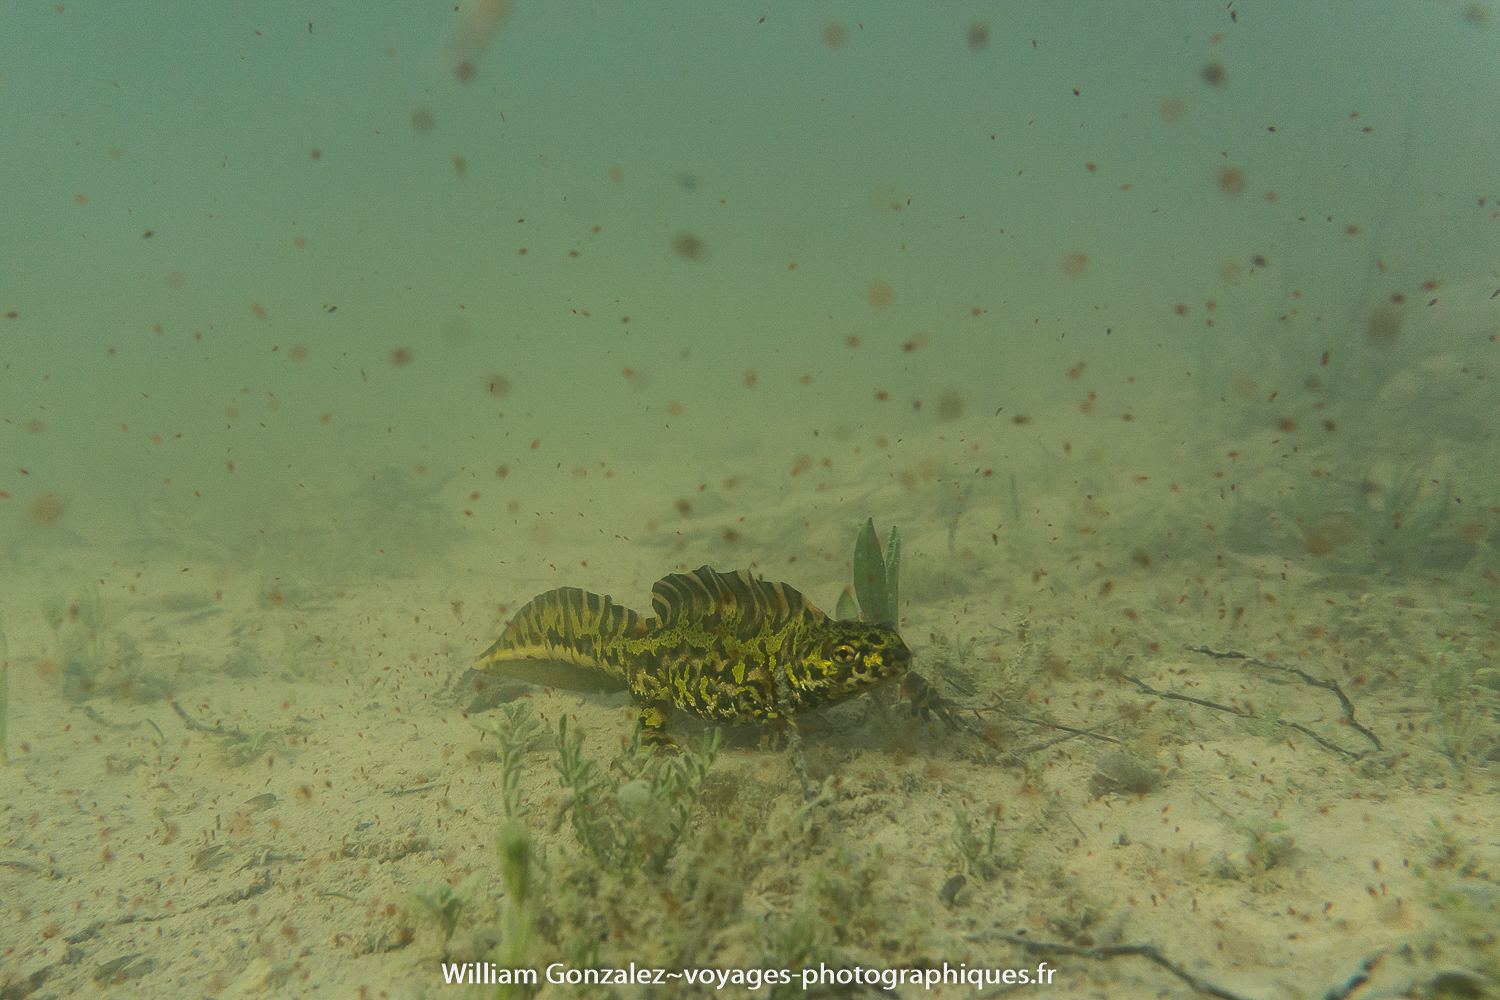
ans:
(513, 844)
(4, 698)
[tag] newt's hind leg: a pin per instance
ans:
(654, 717)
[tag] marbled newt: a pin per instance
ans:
(727, 647)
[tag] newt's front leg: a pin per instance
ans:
(925, 701)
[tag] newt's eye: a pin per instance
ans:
(845, 654)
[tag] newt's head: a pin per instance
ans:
(848, 658)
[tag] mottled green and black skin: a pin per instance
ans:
(726, 647)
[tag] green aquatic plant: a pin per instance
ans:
(796, 942)
(79, 638)
(243, 748)
(518, 909)
(516, 729)
(631, 814)
(1268, 846)
(1466, 704)
(976, 847)
(443, 903)
(4, 698)
(876, 579)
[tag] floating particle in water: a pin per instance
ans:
(460, 166)
(47, 508)
(1259, 260)
(689, 247)
(751, 378)
(497, 385)
(851, 341)
(422, 121)
(297, 352)
(400, 357)
(1231, 181)
(804, 463)
(1074, 264)
(834, 35)
(616, 175)
(1384, 326)
(978, 36)
(917, 342)
(478, 22)
(674, 409)
(880, 294)
(1140, 558)
(1171, 110)
(683, 507)
(950, 406)
(1214, 74)
(34, 427)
